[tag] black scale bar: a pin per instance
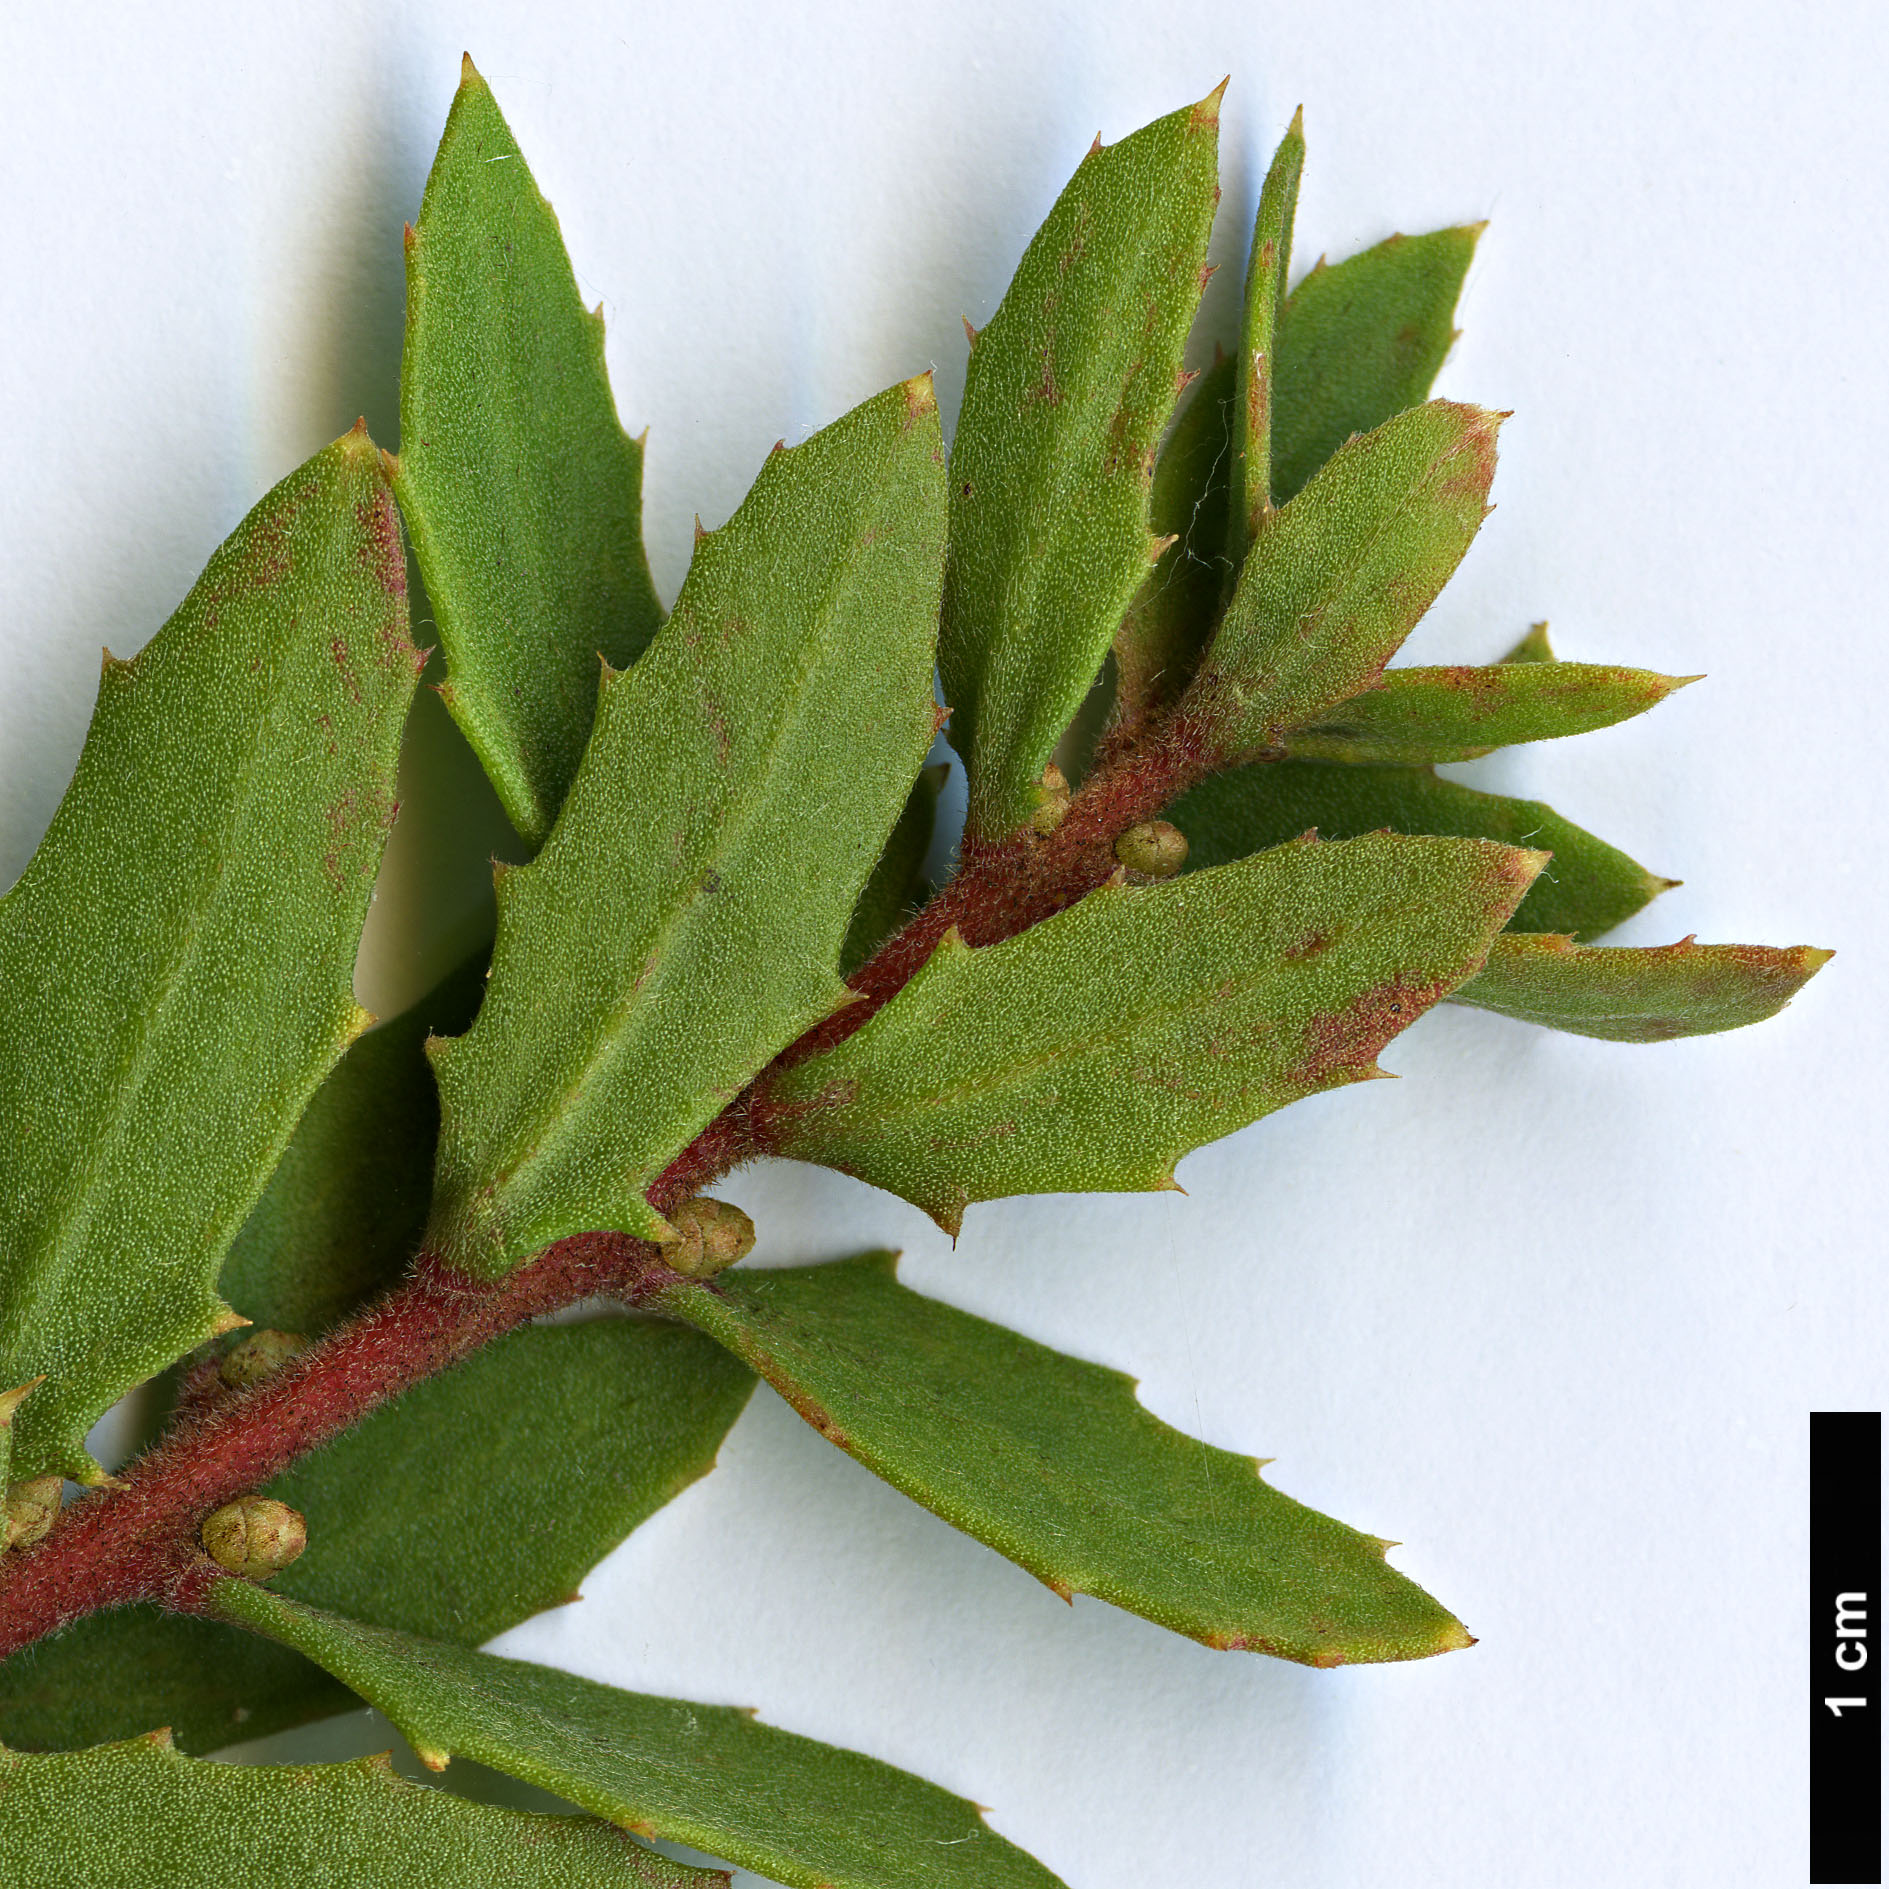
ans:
(1847, 1652)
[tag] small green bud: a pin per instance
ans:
(1052, 800)
(712, 1236)
(254, 1537)
(1154, 849)
(31, 1509)
(259, 1355)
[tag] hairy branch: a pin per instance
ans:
(138, 1540)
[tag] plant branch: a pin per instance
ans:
(138, 1540)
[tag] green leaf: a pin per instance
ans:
(1534, 647)
(110, 1675)
(708, 1776)
(1065, 399)
(1587, 887)
(1267, 267)
(737, 791)
(897, 886)
(176, 960)
(479, 1498)
(343, 1212)
(1360, 342)
(1415, 716)
(1055, 1464)
(1340, 576)
(1639, 995)
(523, 494)
(143, 1816)
(1094, 1050)
(1170, 621)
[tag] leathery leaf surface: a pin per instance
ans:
(1065, 399)
(1055, 1464)
(805, 1814)
(1417, 716)
(897, 886)
(1640, 995)
(480, 1497)
(684, 922)
(343, 1212)
(1268, 266)
(1339, 576)
(1359, 341)
(523, 494)
(176, 960)
(143, 1814)
(1586, 888)
(1094, 1050)
(1170, 621)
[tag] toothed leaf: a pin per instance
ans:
(1055, 1464)
(1339, 577)
(1267, 268)
(343, 1212)
(802, 1813)
(897, 886)
(1096, 1049)
(142, 1813)
(1170, 621)
(1639, 995)
(1415, 716)
(1587, 887)
(477, 1499)
(523, 493)
(1534, 647)
(737, 791)
(1065, 399)
(176, 960)
(1360, 341)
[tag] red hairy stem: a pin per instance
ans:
(139, 1540)
(1004, 887)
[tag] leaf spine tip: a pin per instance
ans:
(1297, 127)
(779, 446)
(359, 427)
(920, 396)
(409, 239)
(389, 465)
(160, 1739)
(1094, 150)
(228, 1319)
(10, 1401)
(432, 1757)
(1206, 114)
(970, 333)
(359, 1022)
(468, 72)
(702, 533)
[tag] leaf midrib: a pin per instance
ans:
(84, 1187)
(639, 1003)
(1018, 1073)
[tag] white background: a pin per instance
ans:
(1550, 1311)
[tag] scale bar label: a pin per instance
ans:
(1846, 1654)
